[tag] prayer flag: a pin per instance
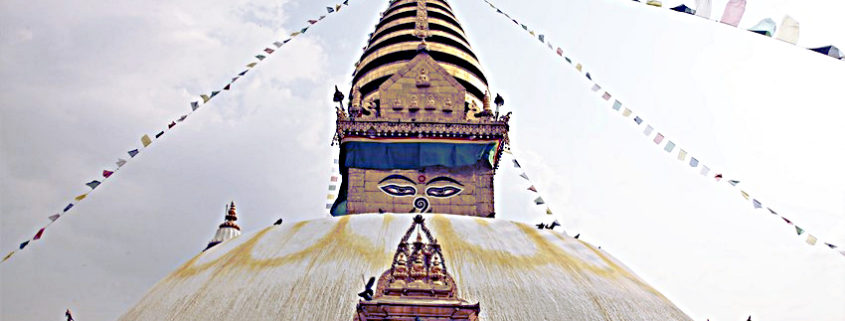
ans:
(268, 50)
(733, 182)
(335, 161)
(757, 204)
(288, 39)
(745, 195)
(799, 230)
(683, 8)
(278, 44)
(705, 170)
(588, 76)
(8, 256)
(133, 152)
(523, 175)
(733, 12)
(606, 96)
(334, 179)
(346, 2)
(648, 130)
(181, 119)
(196, 104)
(658, 139)
(337, 8)
(229, 85)
(205, 98)
(811, 239)
(765, 27)
(312, 21)
(329, 197)
(559, 51)
(617, 104)
(578, 67)
(24, 244)
(532, 188)
(830, 245)
(542, 38)
(702, 8)
(39, 234)
(251, 64)
(159, 134)
(516, 164)
(596, 87)
(626, 112)
(655, 3)
(214, 93)
(303, 30)
(567, 59)
(54, 217)
(294, 34)
(328, 206)
(539, 201)
(828, 50)
(772, 211)
(788, 30)
(718, 177)
(243, 72)
(93, 184)
(638, 120)
(173, 123)
(548, 211)
(693, 162)
(332, 187)
(120, 162)
(146, 140)
(81, 197)
(669, 147)
(786, 220)
(682, 154)
(330, 9)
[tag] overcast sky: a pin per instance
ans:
(83, 80)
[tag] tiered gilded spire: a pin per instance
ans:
(398, 36)
(228, 229)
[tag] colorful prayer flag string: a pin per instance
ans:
(649, 130)
(146, 140)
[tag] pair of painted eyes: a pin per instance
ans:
(397, 190)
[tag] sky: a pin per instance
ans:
(85, 80)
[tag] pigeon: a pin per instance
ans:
(553, 225)
(68, 315)
(367, 294)
(540, 226)
(577, 235)
(499, 101)
(279, 222)
(338, 96)
(749, 318)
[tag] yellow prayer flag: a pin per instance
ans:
(295, 34)
(548, 211)
(682, 155)
(337, 8)
(8, 256)
(626, 112)
(655, 3)
(205, 98)
(81, 197)
(330, 197)
(578, 67)
(811, 239)
(146, 140)
(744, 194)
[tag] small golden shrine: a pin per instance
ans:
(417, 285)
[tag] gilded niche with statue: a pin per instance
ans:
(417, 284)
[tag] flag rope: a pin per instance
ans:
(659, 138)
(736, 13)
(146, 141)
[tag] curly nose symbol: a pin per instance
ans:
(421, 204)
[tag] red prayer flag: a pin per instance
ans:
(334, 178)
(268, 50)
(312, 21)
(106, 173)
(718, 177)
(786, 220)
(39, 234)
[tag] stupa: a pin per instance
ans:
(419, 147)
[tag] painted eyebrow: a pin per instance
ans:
(443, 179)
(394, 176)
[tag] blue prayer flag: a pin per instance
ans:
(68, 207)
(638, 120)
(24, 244)
(693, 162)
(133, 152)
(93, 184)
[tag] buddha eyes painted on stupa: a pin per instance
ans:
(440, 187)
